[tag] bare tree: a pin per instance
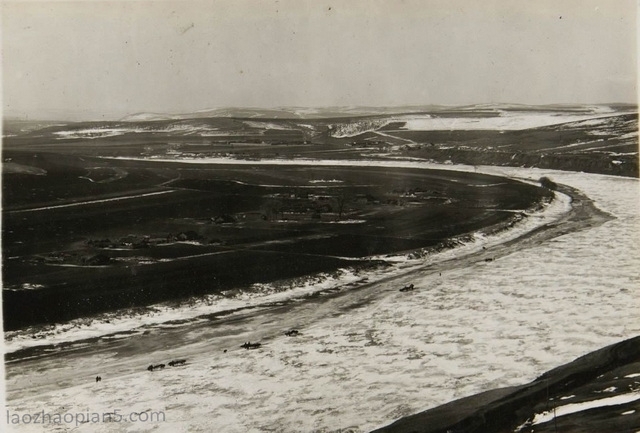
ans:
(545, 182)
(341, 201)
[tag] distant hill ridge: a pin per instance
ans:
(334, 112)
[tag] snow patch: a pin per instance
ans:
(266, 125)
(326, 181)
(511, 120)
(568, 409)
(347, 222)
(25, 286)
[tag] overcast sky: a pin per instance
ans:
(108, 59)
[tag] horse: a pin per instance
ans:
(155, 367)
(407, 288)
(249, 345)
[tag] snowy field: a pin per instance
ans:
(500, 120)
(503, 122)
(367, 358)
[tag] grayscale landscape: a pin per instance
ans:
(319, 255)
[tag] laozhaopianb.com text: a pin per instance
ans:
(78, 418)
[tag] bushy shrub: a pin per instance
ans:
(545, 182)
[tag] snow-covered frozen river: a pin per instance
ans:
(366, 359)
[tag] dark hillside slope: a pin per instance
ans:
(575, 392)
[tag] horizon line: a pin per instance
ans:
(119, 117)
